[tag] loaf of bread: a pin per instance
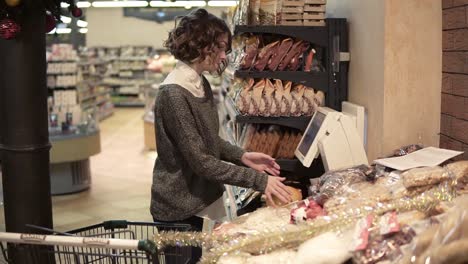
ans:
(459, 170)
(424, 176)
(296, 195)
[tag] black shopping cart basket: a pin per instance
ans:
(110, 242)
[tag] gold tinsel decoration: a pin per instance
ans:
(270, 240)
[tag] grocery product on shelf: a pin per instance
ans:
(68, 113)
(276, 98)
(281, 12)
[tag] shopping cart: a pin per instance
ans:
(111, 242)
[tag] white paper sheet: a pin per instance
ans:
(426, 157)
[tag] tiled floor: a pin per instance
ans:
(121, 177)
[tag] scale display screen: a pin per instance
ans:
(311, 133)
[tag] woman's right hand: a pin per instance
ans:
(275, 187)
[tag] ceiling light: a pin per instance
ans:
(65, 19)
(82, 4)
(83, 30)
(120, 4)
(64, 30)
(82, 23)
(61, 31)
(221, 3)
(178, 4)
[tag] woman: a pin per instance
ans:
(189, 172)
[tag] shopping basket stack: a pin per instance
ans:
(110, 242)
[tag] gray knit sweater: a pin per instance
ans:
(189, 172)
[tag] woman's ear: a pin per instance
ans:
(200, 57)
(206, 51)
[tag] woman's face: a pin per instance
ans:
(216, 58)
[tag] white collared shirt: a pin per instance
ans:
(185, 76)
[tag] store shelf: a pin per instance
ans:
(58, 61)
(95, 62)
(129, 58)
(87, 98)
(103, 101)
(91, 83)
(62, 73)
(105, 115)
(62, 86)
(333, 37)
(129, 104)
(317, 35)
(132, 69)
(127, 93)
(88, 105)
(298, 122)
(316, 80)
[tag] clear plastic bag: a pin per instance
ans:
(419, 177)
(242, 13)
(406, 150)
(384, 247)
(238, 51)
(251, 50)
(446, 242)
(459, 171)
(331, 183)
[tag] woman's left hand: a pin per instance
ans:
(261, 163)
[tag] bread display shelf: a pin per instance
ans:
(315, 80)
(316, 35)
(298, 122)
(333, 38)
(333, 81)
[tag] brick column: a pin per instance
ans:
(454, 112)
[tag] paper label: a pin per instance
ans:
(427, 157)
(389, 223)
(361, 233)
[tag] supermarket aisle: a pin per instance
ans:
(121, 178)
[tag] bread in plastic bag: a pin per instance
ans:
(446, 242)
(330, 183)
(251, 50)
(384, 247)
(406, 150)
(241, 16)
(424, 176)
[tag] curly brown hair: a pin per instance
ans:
(195, 32)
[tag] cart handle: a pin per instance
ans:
(90, 242)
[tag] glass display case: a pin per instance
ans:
(72, 121)
(74, 136)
